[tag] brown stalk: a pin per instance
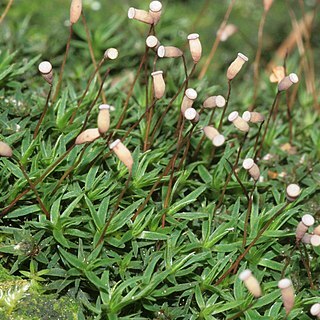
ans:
(6, 10)
(276, 108)
(170, 104)
(257, 154)
(185, 153)
(233, 168)
(306, 263)
(55, 96)
(288, 260)
(200, 15)
(24, 172)
(301, 47)
(305, 49)
(246, 223)
(123, 138)
(216, 42)
(167, 199)
(164, 173)
(244, 190)
(235, 264)
(70, 169)
(195, 155)
(103, 97)
(237, 315)
(105, 228)
(43, 114)
(257, 139)
(86, 90)
(290, 42)
(149, 113)
(213, 151)
(40, 179)
(185, 88)
(226, 106)
(95, 100)
(125, 107)
(256, 62)
(289, 117)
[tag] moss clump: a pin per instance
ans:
(45, 307)
(19, 302)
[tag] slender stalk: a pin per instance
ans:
(256, 63)
(55, 96)
(94, 101)
(289, 117)
(267, 125)
(65, 175)
(185, 88)
(185, 68)
(170, 104)
(6, 10)
(235, 264)
(123, 138)
(310, 50)
(149, 114)
(213, 151)
(125, 107)
(86, 90)
(237, 315)
(40, 179)
(288, 260)
(231, 172)
(226, 106)
(25, 174)
(168, 195)
(306, 263)
(216, 42)
(195, 155)
(146, 145)
(84, 21)
(244, 190)
(45, 109)
(139, 120)
(200, 15)
(155, 185)
(257, 138)
(276, 111)
(246, 223)
(185, 153)
(105, 228)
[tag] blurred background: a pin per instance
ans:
(41, 28)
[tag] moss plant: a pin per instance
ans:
(140, 208)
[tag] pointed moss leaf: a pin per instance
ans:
(148, 235)
(71, 207)
(92, 277)
(91, 176)
(199, 297)
(24, 211)
(55, 211)
(58, 235)
(123, 217)
(192, 197)
(72, 259)
(204, 174)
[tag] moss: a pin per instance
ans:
(19, 302)
(45, 307)
(5, 275)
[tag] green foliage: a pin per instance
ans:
(165, 255)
